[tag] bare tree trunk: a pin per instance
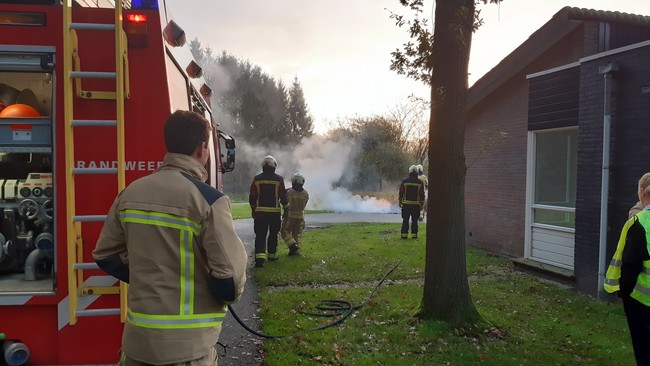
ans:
(446, 290)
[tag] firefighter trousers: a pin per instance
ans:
(208, 360)
(411, 212)
(267, 227)
(291, 231)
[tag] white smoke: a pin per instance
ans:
(324, 163)
(341, 200)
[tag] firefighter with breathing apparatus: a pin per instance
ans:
(267, 197)
(411, 200)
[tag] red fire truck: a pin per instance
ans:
(85, 86)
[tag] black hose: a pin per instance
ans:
(341, 308)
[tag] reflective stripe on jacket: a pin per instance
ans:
(185, 317)
(178, 235)
(641, 291)
(411, 191)
(267, 193)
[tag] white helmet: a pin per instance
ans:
(420, 169)
(413, 169)
(298, 178)
(270, 161)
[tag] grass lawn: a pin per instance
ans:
(242, 210)
(528, 321)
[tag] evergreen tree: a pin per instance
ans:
(203, 56)
(299, 118)
(252, 107)
(197, 51)
(259, 106)
(280, 109)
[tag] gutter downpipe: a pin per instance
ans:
(607, 72)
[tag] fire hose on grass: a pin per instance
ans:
(329, 308)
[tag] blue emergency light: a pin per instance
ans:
(144, 4)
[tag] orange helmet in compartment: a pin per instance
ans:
(18, 111)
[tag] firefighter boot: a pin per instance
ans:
(414, 235)
(272, 257)
(294, 249)
(259, 262)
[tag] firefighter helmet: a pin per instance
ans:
(19, 110)
(413, 169)
(270, 161)
(420, 169)
(298, 178)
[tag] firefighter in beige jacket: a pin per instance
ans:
(171, 237)
(293, 218)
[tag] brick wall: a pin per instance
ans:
(629, 159)
(495, 184)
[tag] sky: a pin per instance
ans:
(340, 49)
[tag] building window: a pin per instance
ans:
(555, 172)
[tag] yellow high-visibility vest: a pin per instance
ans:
(641, 291)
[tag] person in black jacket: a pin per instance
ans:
(267, 195)
(411, 200)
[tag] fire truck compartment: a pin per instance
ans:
(27, 244)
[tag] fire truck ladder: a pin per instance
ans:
(71, 70)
